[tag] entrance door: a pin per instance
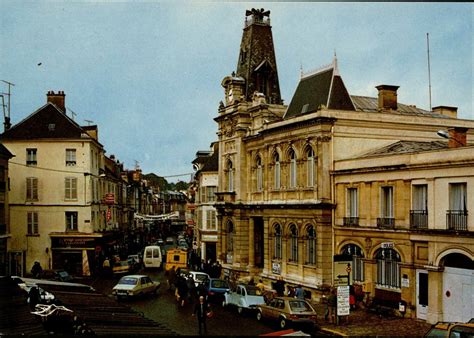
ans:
(458, 291)
(421, 294)
(258, 241)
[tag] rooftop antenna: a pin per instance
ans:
(429, 67)
(73, 114)
(89, 122)
(7, 117)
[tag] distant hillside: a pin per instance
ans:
(163, 184)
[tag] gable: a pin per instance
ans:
(47, 122)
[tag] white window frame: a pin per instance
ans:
(352, 197)
(70, 188)
(32, 223)
(32, 189)
(70, 157)
(72, 220)
(386, 202)
(310, 167)
(31, 156)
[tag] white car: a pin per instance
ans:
(244, 297)
(135, 285)
(198, 277)
(46, 297)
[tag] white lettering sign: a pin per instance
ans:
(387, 245)
(343, 305)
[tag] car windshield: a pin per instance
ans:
(299, 306)
(63, 274)
(128, 281)
(253, 291)
(218, 283)
(201, 277)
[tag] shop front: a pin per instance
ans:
(78, 255)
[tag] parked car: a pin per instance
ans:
(198, 277)
(216, 288)
(244, 297)
(287, 310)
(135, 285)
(451, 330)
(121, 267)
(59, 275)
(136, 258)
(45, 296)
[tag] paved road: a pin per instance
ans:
(164, 309)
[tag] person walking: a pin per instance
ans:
(280, 287)
(36, 270)
(299, 292)
(332, 304)
(201, 310)
(182, 288)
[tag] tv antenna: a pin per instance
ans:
(73, 114)
(7, 116)
(89, 122)
(429, 68)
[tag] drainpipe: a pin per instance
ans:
(333, 216)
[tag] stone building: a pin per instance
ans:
(56, 211)
(5, 235)
(276, 195)
(402, 221)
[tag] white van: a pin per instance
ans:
(152, 257)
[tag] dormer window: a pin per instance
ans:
(51, 127)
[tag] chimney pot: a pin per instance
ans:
(57, 99)
(446, 111)
(387, 99)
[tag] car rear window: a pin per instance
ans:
(128, 281)
(222, 284)
(299, 306)
(253, 291)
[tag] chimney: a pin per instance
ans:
(457, 137)
(447, 111)
(387, 97)
(57, 99)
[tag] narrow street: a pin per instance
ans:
(164, 309)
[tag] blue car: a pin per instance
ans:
(216, 288)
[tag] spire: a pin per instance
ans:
(334, 62)
(257, 61)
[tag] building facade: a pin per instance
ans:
(56, 215)
(5, 235)
(276, 197)
(402, 220)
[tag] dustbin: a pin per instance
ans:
(402, 307)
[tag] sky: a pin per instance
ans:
(149, 73)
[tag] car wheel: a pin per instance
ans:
(240, 310)
(259, 315)
(283, 323)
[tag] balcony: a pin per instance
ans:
(351, 221)
(456, 220)
(419, 219)
(385, 223)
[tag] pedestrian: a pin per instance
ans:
(191, 288)
(260, 287)
(182, 290)
(34, 296)
(280, 286)
(201, 311)
(36, 270)
(299, 292)
(332, 304)
(106, 267)
(171, 278)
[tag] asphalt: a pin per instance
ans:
(361, 322)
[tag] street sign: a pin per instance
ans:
(343, 305)
(109, 199)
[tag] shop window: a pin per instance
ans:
(357, 261)
(388, 268)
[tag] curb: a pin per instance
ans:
(334, 332)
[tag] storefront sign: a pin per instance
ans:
(343, 306)
(109, 199)
(387, 245)
(73, 242)
(276, 268)
(209, 238)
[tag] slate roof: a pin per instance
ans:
(45, 123)
(4, 152)
(325, 87)
(406, 147)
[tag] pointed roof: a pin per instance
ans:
(323, 87)
(48, 122)
(5, 153)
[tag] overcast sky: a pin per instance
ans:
(149, 73)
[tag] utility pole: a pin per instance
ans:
(429, 67)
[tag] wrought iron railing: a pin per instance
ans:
(351, 221)
(419, 219)
(386, 222)
(456, 220)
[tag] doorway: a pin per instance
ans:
(258, 242)
(421, 294)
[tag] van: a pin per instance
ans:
(176, 258)
(152, 257)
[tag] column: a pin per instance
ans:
(251, 251)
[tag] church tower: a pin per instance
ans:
(257, 62)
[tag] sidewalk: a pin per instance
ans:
(363, 323)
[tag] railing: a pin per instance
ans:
(351, 221)
(419, 219)
(386, 222)
(456, 220)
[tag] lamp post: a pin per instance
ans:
(445, 134)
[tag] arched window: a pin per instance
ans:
(230, 242)
(310, 245)
(276, 171)
(310, 166)
(292, 156)
(230, 176)
(388, 268)
(357, 263)
(293, 257)
(277, 241)
(259, 174)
